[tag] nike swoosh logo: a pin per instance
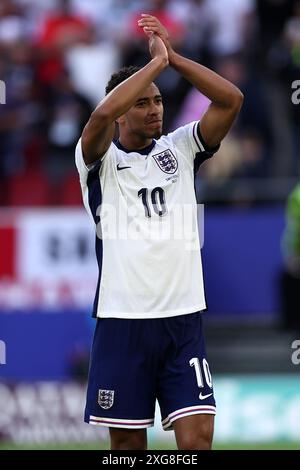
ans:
(122, 167)
(202, 397)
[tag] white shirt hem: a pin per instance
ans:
(165, 314)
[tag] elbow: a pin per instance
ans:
(237, 100)
(232, 100)
(240, 97)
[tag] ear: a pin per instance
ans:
(121, 119)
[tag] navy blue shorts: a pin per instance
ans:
(135, 362)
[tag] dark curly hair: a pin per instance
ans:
(120, 76)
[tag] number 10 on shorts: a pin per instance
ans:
(201, 376)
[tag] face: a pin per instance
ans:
(144, 119)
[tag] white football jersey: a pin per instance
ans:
(143, 205)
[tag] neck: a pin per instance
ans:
(134, 142)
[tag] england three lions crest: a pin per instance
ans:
(106, 398)
(166, 161)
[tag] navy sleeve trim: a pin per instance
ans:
(206, 148)
(205, 152)
(196, 138)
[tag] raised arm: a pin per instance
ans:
(226, 98)
(99, 131)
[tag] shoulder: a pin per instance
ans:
(180, 138)
(84, 169)
(183, 132)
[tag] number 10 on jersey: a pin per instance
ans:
(158, 201)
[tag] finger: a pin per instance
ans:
(148, 25)
(153, 29)
(148, 33)
(146, 21)
(149, 18)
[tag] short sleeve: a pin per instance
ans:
(88, 173)
(82, 167)
(189, 140)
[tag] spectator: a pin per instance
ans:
(68, 111)
(290, 278)
(60, 31)
(91, 63)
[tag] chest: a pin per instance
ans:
(159, 168)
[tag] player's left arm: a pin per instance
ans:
(226, 98)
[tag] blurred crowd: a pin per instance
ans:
(56, 57)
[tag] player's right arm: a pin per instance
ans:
(99, 131)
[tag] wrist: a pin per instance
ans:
(162, 61)
(172, 56)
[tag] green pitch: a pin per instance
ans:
(152, 446)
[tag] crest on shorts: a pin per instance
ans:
(106, 398)
(166, 161)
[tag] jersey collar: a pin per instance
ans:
(143, 151)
